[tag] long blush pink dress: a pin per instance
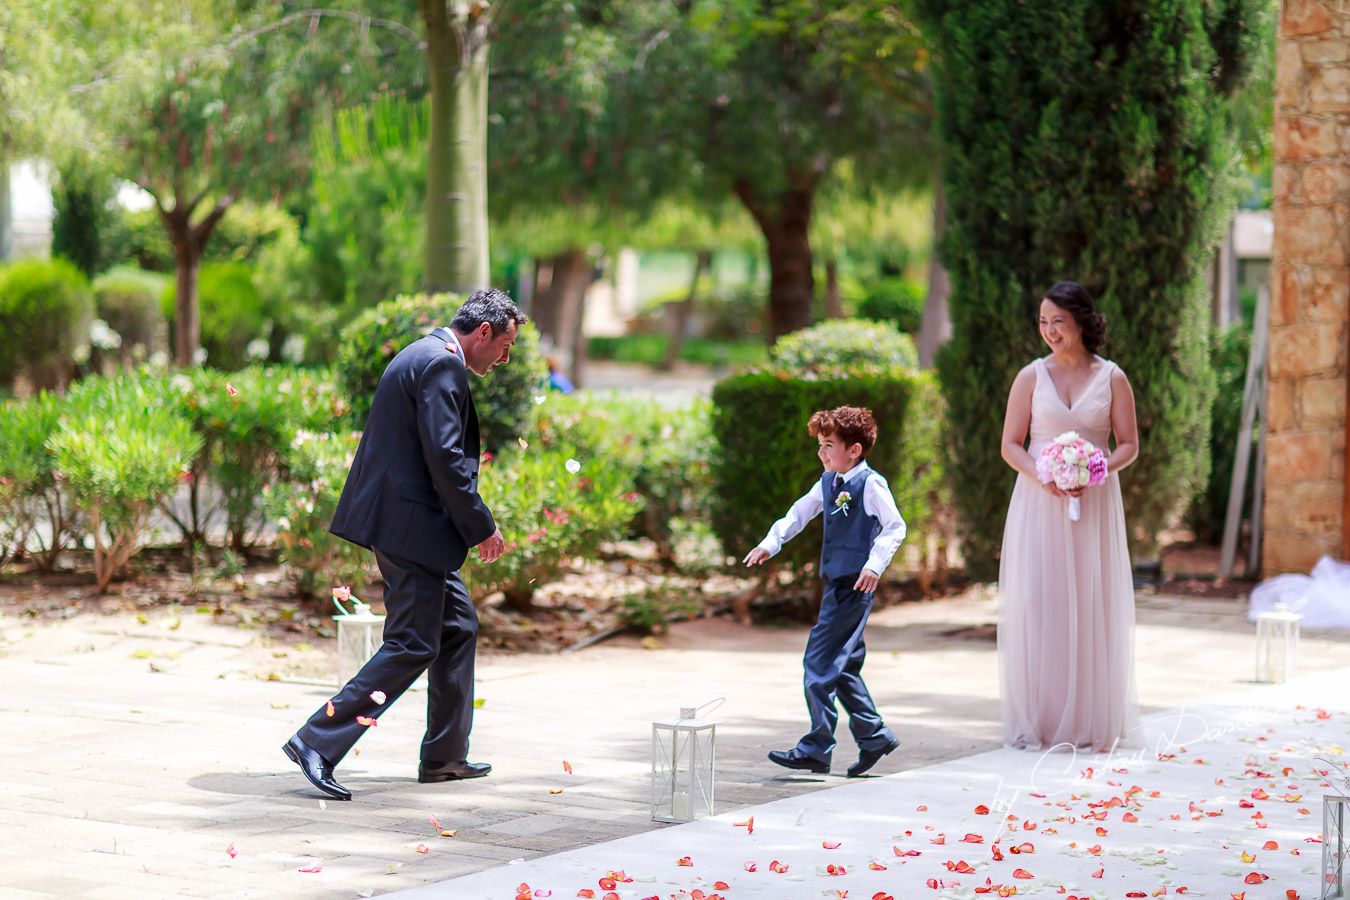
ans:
(1066, 615)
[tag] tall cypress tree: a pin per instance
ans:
(1088, 141)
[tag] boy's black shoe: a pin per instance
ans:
(791, 759)
(868, 758)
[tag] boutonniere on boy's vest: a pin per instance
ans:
(841, 503)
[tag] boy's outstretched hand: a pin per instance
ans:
(756, 556)
(867, 581)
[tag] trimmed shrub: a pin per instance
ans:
(236, 324)
(844, 344)
(503, 398)
(765, 459)
(1102, 151)
(548, 514)
(302, 507)
(34, 511)
(45, 309)
(666, 450)
(121, 447)
(248, 421)
(898, 301)
(128, 300)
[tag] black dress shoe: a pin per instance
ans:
(868, 758)
(431, 771)
(314, 767)
(791, 759)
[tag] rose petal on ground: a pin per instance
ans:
(555, 790)
(981, 810)
(830, 845)
(747, 824)
(684, 861)
(876, 867)
(751, 867)
(721, 886)
(586, 894)
(1022, 873)
(777, 868)
(973, 839)
(607, 884)
(567, 767)
(1255, 878)
(1270, 845)
(311, 869)
(231, 851)
(434, 824)
(1099, 873)
(422, 849)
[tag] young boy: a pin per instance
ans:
(863, 529)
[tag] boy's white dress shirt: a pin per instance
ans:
(877, 501)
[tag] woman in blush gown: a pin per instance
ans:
(1066, 616)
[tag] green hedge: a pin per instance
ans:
(45, 310)
(128, 300)
(842, 344)
(765, 459)
(1228, 355)
(34, 511)
(650, 349)
(665, 450)
(898, 301)
(503, 398)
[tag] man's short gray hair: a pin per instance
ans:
(488, 305)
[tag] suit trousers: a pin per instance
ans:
(430, 626)
(832, 668)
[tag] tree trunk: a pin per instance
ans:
(189, 243)
(834, 301)
(785, 222)
(6, 212)
(679, 313)
(456, 206)
(936, 328)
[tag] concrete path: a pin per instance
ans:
(144, 757)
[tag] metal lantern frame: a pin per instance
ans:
(1277, 634)
(684, 767)
(360, 634)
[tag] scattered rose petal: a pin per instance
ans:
(423, 849)
(1255, 878)
(751, 867)
(830, 845)
(981, 810)
(434, 824)
(329, 709)
(1022, 873)
(366, 721)
(310, 870)
(567, 767)
(231, 851)
(777, 868)
(684, 861)
(555, 790)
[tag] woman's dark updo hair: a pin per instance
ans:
(1074, 299)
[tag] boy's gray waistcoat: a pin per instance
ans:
(848, 535)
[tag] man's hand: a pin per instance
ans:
(867, 581)
(756, 556)
(493, 547)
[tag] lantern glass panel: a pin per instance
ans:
(1335, 871)
(359, 636)
(1276, 645)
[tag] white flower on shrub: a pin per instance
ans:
(181, 383)
(80, 354)
(257, 349)
(293, 349)
(102, 336)
(199, 356)
(158, 360)
(573, 466)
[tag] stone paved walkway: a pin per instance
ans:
(140, 753)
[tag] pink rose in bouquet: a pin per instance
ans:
(1070, 462)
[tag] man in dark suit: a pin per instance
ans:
(412, 497)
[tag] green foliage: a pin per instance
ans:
(547, 515)
(844, 344)
(128, 299)
(122, 446)
(302, 507)
(45, 309)
(898, 301)
(665, 450)
(236, 322)
(248, 421)
(1228, 355)
(364, 230)
(503, 398)
(650, 349)
(765, 460)
(652, 609)
(920, 483)
(1101, 151)
(33, 508)
(85, 221)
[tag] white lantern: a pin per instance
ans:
(684, 763)
(1276, 643)
(1335, 871)
(360, 634)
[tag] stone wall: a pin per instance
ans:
(1310, 284)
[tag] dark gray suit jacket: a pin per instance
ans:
(413, 487)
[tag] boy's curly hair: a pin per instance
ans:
(851, 424)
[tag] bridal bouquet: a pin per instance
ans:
(1071, 462)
